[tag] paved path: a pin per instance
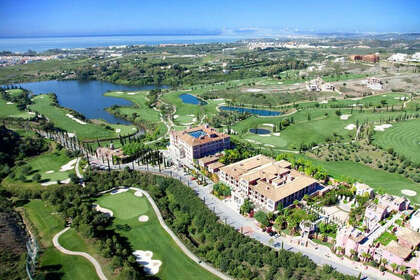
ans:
(179, 242)
(95, 263)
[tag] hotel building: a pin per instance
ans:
(266, 182)
(198, 142)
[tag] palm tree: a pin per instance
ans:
(403, 269)
(414, 272)
(394, 266)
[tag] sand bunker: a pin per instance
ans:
(138, 193)
(131, 93)
(382, 127)
(324, 102)
(75, 119)
(145, 259)
(254, 90)
(176, 116)
(104, 210)
(269, 145)
(276, 133)
(118, 130)
(268, 124)
(66, 181)
(264, 135)
(191, 115)
(9, 103)
(344, 117)
(68, 166)
(71, 134)
(350, 126)
(143, 218)
(49, 183)
(408, 192)
(49, 172)
(119, 191)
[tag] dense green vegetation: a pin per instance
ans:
(215, 242)
(150, 236)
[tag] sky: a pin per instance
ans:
(77, 17)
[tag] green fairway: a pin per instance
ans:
(11, 111)
(53, 264)
(323, 123)
(377, 179)
(151, 236)
(48, 165)
(139, 98)
(140, 112)
(43, 105)
(190, 113)
(403, 137)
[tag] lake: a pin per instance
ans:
(260, 131)
(191, 99)
(259, 112)
(85, 97)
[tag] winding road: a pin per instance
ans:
(95, 263)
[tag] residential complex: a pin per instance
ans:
(368, 58)
(266, 182)
(198, 142)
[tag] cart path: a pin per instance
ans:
(95, 263)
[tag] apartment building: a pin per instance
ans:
(266, 182)
(198, 142)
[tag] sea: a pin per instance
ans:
(40, 44)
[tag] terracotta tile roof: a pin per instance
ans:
(412, 237)
(208, 134)
(209, 159)
(396, 249)
(280, 192)
(215, 165)
(239, 168)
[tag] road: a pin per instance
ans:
(322, 255)
(95, 263)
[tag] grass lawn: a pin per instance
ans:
(140, 108)
(305, 131)
(186, 112)
(386, 237)
(11, 110)
(378, 179)
(403, 137)
(54, 264)
(151, 236)
(50, 161)
(43, 105)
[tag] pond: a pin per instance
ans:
(260, 131)
(191, 99)
(85, 97)
(259, 112)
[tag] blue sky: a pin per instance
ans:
(46, 17)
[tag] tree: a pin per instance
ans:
(262, 218)
(246, 207)
(37, 178)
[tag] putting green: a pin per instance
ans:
(403, 137)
